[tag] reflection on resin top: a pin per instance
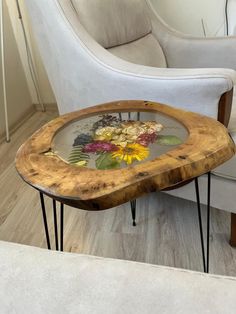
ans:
(117, 140)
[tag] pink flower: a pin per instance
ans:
(146, 138)
(99, 146)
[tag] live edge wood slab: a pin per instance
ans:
(207, 146)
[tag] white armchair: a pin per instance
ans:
(97, 51)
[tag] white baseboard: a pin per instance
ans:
(24, 117)
(48, 107)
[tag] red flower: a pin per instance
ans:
(146, 138)
(99, 146)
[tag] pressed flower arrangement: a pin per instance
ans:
(113, 143)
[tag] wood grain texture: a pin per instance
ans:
(233, 230)
(224, 113)
(167, 231)
(224, 107)
(207, 146)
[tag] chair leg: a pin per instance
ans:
(233, 230)
(45, 220)
(133, 211)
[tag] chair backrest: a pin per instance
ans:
(232, 17)
(123, 27)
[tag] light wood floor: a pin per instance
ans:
(166, 232)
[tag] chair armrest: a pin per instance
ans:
(185, 51)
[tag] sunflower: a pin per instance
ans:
(131, 152)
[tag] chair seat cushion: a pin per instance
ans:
(227, 170)
(145, 51)
(37, 281)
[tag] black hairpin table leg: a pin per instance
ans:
(57, 239)
(200, 223)
(133, 202)
(62, 227)
(133, 211)
(45, 220)
(205, 260)
(55, 223)
(208, 218)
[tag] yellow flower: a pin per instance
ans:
(131, 152)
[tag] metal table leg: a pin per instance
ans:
(208, 218)
(205, 260)
(45, 220)
(57, 239)
(133, 211)
(55, 223)
(62, 227)
(200, 223)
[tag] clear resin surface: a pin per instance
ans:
(118, 140)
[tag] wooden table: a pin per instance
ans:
(106, 155)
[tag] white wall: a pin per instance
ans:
(186, 15)
(19, 100)
(44, 85)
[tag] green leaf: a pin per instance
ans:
(105, 161)
(77, 155)
(168, 140)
